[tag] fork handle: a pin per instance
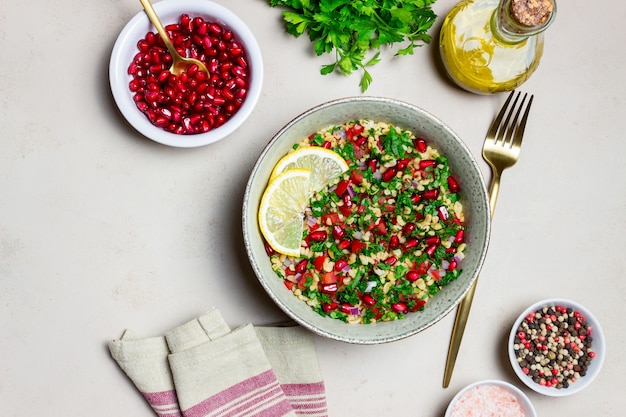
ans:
(493, 192)
(462, 312)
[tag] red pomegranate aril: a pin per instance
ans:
(430, 250)
(427, 163)
(394, 242)
(329, 288)
(399, 307)
(431, 194)
(412, 276)
(459, 237)
(453, 185)
(452, 265)
(340, 265)
(338, 232)
(389, 174)
(302, 265)
(369, 300)
(241, 61)
(344, 244)
(318, 235)
(433, 240)
(391, 260)
(410, 243)
(442, 212)
(328, 307)
(420, 145)
(408, 229)
(215, 29)
(402, 163)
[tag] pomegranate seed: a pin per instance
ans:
(344, 244)
(403, 163)
(340, 265)
(338, 232)
(410, 243)
(391, 260)
(369, 300)
(318, 236)
(394, 242)
(433, 240)
(412, 276)
(328, 307)
(329, 288)
(431, 194)
(302, 265)
(427, 163)
(430, 250)
(420, 145)
(408, 229)
(453, 185)
(389, 174)
(399, 307)
(459, 237)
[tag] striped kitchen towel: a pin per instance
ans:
(215, 372)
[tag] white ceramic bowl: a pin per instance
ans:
(598, 346)
(478, 387)
(169, 11)
(421, 123)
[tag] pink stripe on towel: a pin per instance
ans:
(259, 395)
(307, 399)
(164, 403)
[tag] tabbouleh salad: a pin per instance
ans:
(384, 237)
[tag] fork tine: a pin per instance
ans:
(495, 125)
(507, 128)
(519, 131)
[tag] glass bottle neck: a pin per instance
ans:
(506, 28)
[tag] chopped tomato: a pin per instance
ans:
(330, 219)
(357, 245)
(342, 187)
(356, 177)
(318, 262)
(329, 278)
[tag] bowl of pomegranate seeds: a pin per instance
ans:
(193, 108)
(366, 219)
(556, 347)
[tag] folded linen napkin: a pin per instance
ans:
(202, 368)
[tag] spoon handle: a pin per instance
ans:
(156, 22)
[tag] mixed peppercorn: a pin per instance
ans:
(384, 237)
(553, 346)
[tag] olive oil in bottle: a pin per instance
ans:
(489, 46)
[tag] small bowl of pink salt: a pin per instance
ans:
(490, 398)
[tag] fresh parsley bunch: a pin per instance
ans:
(352, 28)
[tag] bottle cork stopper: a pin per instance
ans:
(531, 12)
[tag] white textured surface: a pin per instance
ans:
(101, 230)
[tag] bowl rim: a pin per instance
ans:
(528, 406)
(599, 348)
(119, 78)
(258, 272)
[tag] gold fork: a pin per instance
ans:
(501, 150)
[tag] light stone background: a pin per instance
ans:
(102, 230)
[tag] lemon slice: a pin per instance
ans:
(281, 211)
(324, 164)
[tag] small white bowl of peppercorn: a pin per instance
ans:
(192, 109)
(556, 347)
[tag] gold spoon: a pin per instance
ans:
(179, 63)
